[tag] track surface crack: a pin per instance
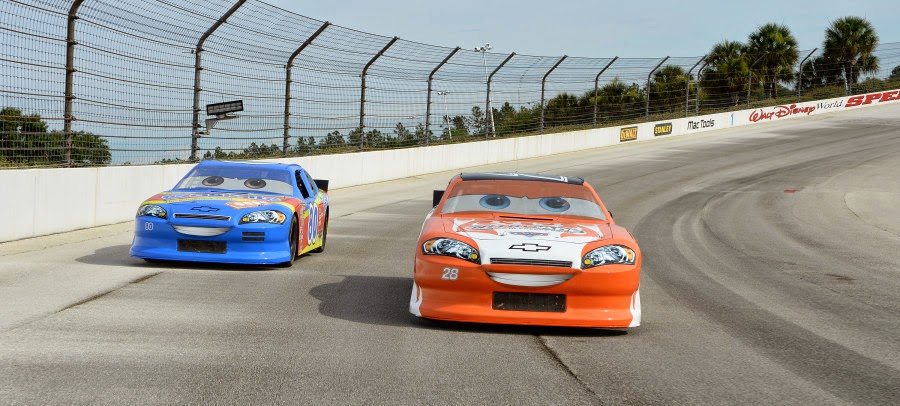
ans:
(81, 302)
(555, 356)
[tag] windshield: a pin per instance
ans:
(238, 178)
(524, 198)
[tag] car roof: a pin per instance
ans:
(254, 164)
(520, 176)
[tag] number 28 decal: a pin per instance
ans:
(450, 274)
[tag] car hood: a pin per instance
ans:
(211, 202)
(529, 239)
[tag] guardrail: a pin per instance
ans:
(46, 201)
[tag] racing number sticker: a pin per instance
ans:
(450, 274)
(148, 226)
(312, 224)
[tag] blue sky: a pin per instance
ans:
(598, 28)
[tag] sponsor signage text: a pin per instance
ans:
(829, 105)
(780, 112)
(628, 134)
(698, 124)
(662, 129)
(869, 98)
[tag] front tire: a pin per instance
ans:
(293, 241)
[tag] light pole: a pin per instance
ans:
(443, 94)
(490, 111)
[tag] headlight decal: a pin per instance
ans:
(451, 248)
(264, 216)
(609, 255)
(152, 210)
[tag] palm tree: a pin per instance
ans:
(727, 72)
(562, 109)
(618, 100)
(895, 74)
(850, 42)
(668, 87)
(820, 71)
(774, 50)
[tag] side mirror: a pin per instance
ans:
(436, 197)
(322, 184)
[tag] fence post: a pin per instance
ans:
(195, 124)
(428, 97)
(697, 101)
(543, 83)
(750, 77)
(287, 84)
(647, 108)
(70, 77)
(362, 97)
(596, 83)
(490, 112)
(800, 73)
(687, 92)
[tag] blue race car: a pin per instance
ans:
(235, 212)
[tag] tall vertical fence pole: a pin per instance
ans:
(596, 89)
(800, 73)
(195, 124)
(428, 97)
(647, 108)
(697, 100)
(362, 97)
(687, 91)
(490, 110)
(750, 77)
(543, 86)
(287, 85)
(70, 77)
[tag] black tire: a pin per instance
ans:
(324, 235)
(293, 241)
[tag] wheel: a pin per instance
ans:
(294, 241)
(324, 235)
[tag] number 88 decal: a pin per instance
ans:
(312, 224)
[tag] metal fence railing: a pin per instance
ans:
(103, 82)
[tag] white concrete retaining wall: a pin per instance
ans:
(46, 201)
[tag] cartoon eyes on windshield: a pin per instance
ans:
(213, 181)
(494, 202)
(555, 204)
(255, 183)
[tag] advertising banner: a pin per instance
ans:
(628, 134)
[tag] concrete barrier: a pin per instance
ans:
(46, 201)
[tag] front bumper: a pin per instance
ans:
(606, 296)
(254, 244)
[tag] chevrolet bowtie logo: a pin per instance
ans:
(204, 209)
(530, 247)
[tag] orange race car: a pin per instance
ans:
(517, 248)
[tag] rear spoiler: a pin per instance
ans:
(436, 197)
(322, 184)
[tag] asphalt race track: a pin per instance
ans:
(771, 276)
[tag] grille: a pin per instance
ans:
(531, 262)
(253, 236)
(530, 302)
(209, 247)
(201, 216)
